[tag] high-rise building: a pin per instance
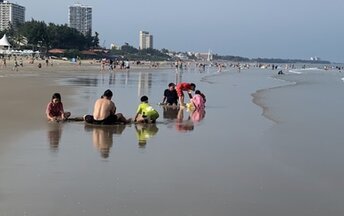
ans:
(146, 40)
(11, 14)
(80, 18)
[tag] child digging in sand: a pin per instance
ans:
(145, 112)
(55, 111)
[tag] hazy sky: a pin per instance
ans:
(250, 28)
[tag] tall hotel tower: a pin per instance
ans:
(146, 40)
(80, 18)
(11, 14)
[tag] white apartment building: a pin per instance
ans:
(146, 40)
(11, 14)
(80, 18)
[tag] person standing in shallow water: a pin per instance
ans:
(104, 112)
(188, 87)
(55, 111)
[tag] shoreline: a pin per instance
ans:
(26, 92)
(258, 99)
(32, 87)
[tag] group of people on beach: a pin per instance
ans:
(104, 112)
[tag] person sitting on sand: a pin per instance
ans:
(146, 113)
(170, 95)
(55, 111)
(198, 100)
(189, 87)
(104, 112)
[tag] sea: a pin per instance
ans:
(266, 145)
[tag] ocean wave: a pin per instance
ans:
(295, 71)
(284, 82)
(307, 69)
(299, 71)
(342, 79)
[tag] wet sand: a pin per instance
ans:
(230, 160)
(26, 92)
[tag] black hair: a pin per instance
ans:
(193, 85)
(57, 96)
(171, 84)
(144, 98)
(108, 93)
(197, 92)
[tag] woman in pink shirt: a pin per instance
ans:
(55, 110)
(198, 100)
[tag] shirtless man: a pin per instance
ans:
(104, 111)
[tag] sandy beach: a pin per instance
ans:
(26, 92)
(250, 153)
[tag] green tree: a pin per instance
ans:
(36, 33)
(163, 50)
(95, 41)
(126, 48)
(49, 36)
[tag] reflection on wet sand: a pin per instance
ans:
(187, 124)
(145, 132)
(170, 112)
(54, 135)
(184, 125)
(102, 137)
(144, 83)
(197, 115)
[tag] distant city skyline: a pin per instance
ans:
(145, 40)
(11, 13)
(294, 29)
(80, 18)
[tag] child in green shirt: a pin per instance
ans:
(146, 113)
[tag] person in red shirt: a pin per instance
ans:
(188, 87)
(55, 110)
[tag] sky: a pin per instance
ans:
(288, 29)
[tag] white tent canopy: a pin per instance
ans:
(4, 42)
(5, 48)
